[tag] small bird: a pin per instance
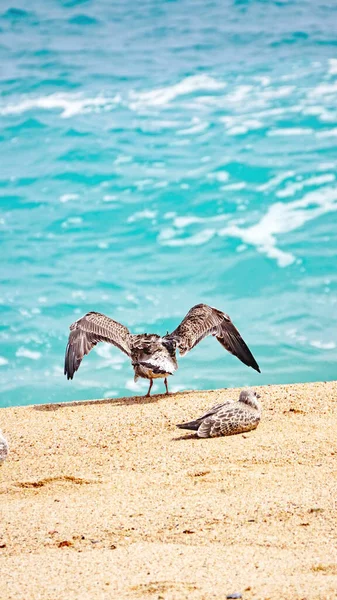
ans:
(3, 448)
(153, 356)
(228, 418)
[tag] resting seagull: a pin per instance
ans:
(228, 418)
(153, 356)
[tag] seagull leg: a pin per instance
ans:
(149, 390)
(165, 381)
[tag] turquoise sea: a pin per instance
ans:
(159, 154)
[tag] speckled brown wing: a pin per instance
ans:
(87, 332)
(229, 420)
(194, 425)
(203, 320)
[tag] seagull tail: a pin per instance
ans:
(193, 425)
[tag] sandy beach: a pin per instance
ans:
(107, 499)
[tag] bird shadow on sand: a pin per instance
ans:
(125, 401)
(186, 436)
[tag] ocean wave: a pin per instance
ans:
(111, 357)
(135, 386)
(197, 239)
(23, 352)
(332, 66)
(289, 131)
(72, 222)
(251, 105)
(327, 133)
(282, 218)
(110, 394)
(163, 96)
(197, 126)
(239, 185)
(143, 214)
(274, 181)
(69, 104)
(324, 89)
(323, 345)
(67, 197)
(292, 188)
(171, 236)
(180, 222)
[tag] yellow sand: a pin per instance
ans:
(107, 499)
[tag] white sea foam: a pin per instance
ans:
(240, 185)
(141, 183)
(26, 353)
(3, 361)
(239, 94)
(279, 92)
(143, 214)
(238, 130)
(327, 133)
(90, 383)
(219, 176)
(67, 197)
(323, 345)
(160, 184)
(69, 104)
(332, 66)
(78, 294)
(135, 386)
(230, 121)
(275, 181)
(111, 357)
(324, 115)
(197, 126)
(289, 131)
(182, 222)
(71, 221)
(110, 198)
(263, 79)
(168, 233)
(165, 95)
(122, 159)
(237, 125)
(292, 188)
(324, 89)
(284, 218)
(110, 394)
(198, 239)
(325, 166)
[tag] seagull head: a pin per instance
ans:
(250, 397)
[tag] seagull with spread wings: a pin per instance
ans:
(153, 356)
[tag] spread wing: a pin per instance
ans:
(203, 320)
(87, 332)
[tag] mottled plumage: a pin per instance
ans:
(3, 448)
(228, 418)
(153, 356)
